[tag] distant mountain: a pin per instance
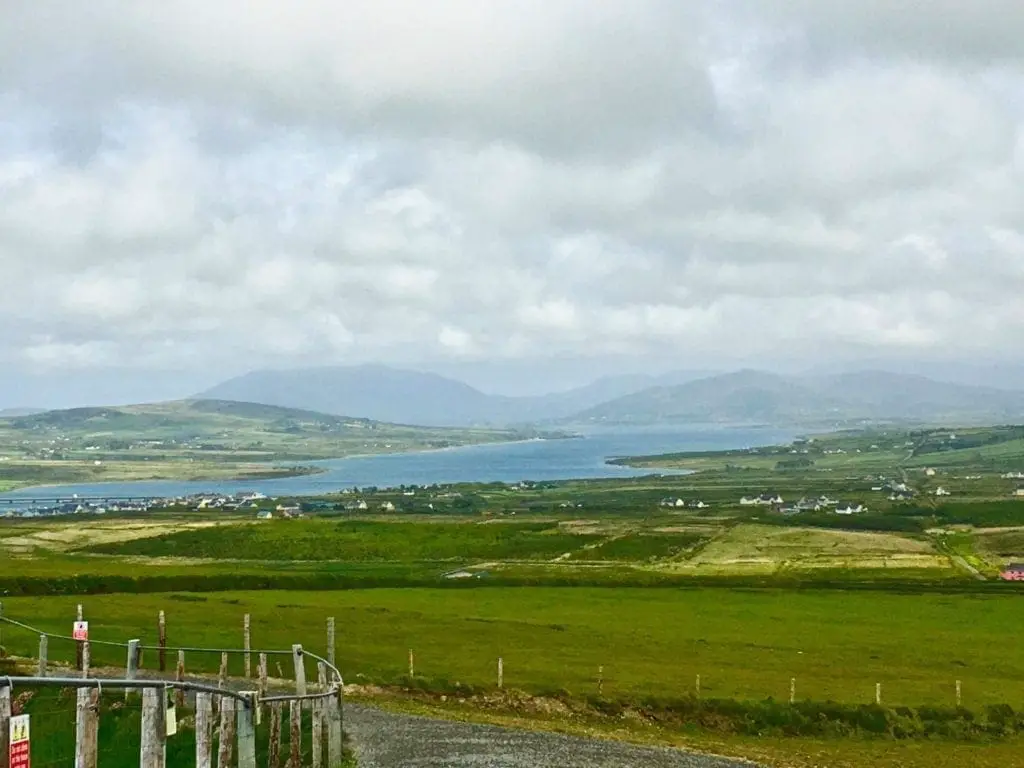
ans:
(754, 396)
(9, 413)
(414, 397)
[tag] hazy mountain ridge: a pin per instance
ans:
(754, 396)
(747, 396)
(414, 397)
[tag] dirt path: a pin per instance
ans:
(387, 740)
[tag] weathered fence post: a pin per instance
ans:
(300, 670)
(154, 729)
(179, 675)
(878, 693)
(696, 686)
(316, 712)
(959, 697)
(86, 658)
(227, 732)
(295, 733)
(5, 725)
(600, 680)
(247, 644)
(80, 644)
(43, 640)
(412, 664)
(132, 665)
(247, 731)
(161, 633)
(263, 675)
(87, 723)
(204, 730)
(330, 640)
(501, 672)
(334, 740)
(274, 747)
(792, 690)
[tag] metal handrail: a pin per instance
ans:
(8, 681)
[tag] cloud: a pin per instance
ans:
(185, 182)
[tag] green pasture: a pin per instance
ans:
(746, 644)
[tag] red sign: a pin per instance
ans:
(19, 742)
(81, 630)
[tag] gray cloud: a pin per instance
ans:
(187, 183)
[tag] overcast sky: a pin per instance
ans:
(203, 187)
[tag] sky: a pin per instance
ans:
(510, 189)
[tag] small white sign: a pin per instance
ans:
(81, 630)
(19, 744)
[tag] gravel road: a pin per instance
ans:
(387, 740)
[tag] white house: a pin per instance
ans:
(850, 509)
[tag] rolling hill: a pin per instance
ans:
(218, 430)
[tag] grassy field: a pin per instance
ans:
(360, 541)
(744, 644)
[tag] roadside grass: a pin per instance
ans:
(745, 644)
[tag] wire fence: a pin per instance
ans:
(144, 718)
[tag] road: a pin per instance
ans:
(388, 740)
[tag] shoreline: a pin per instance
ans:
(311, 468)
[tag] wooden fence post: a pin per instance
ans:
(274, 748)
(154, 729)
(300, 670)
(43, 641)
(86, 658)
(792, 690)
(263, 675)
(600, 680)
(79, 645)
(87, 723)
(959, 697)
(316, 713)
(204, 730)
(330, 640)
(5, 725)
(247, 731)
(295, 733)
(227, 732)
(878, 693)
(412, 664)
(247, 644)
(696, 686)
(179, 675)
(132, 665)
(501, 672)
(222, 675)
(161, 633)
(334, 739)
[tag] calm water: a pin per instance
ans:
(508, 462)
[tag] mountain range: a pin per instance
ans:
(413, 397)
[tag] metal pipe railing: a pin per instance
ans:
(11, 682)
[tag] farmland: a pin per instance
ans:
(603, 596)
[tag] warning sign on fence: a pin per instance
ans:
(19, 742)
(81, 630)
